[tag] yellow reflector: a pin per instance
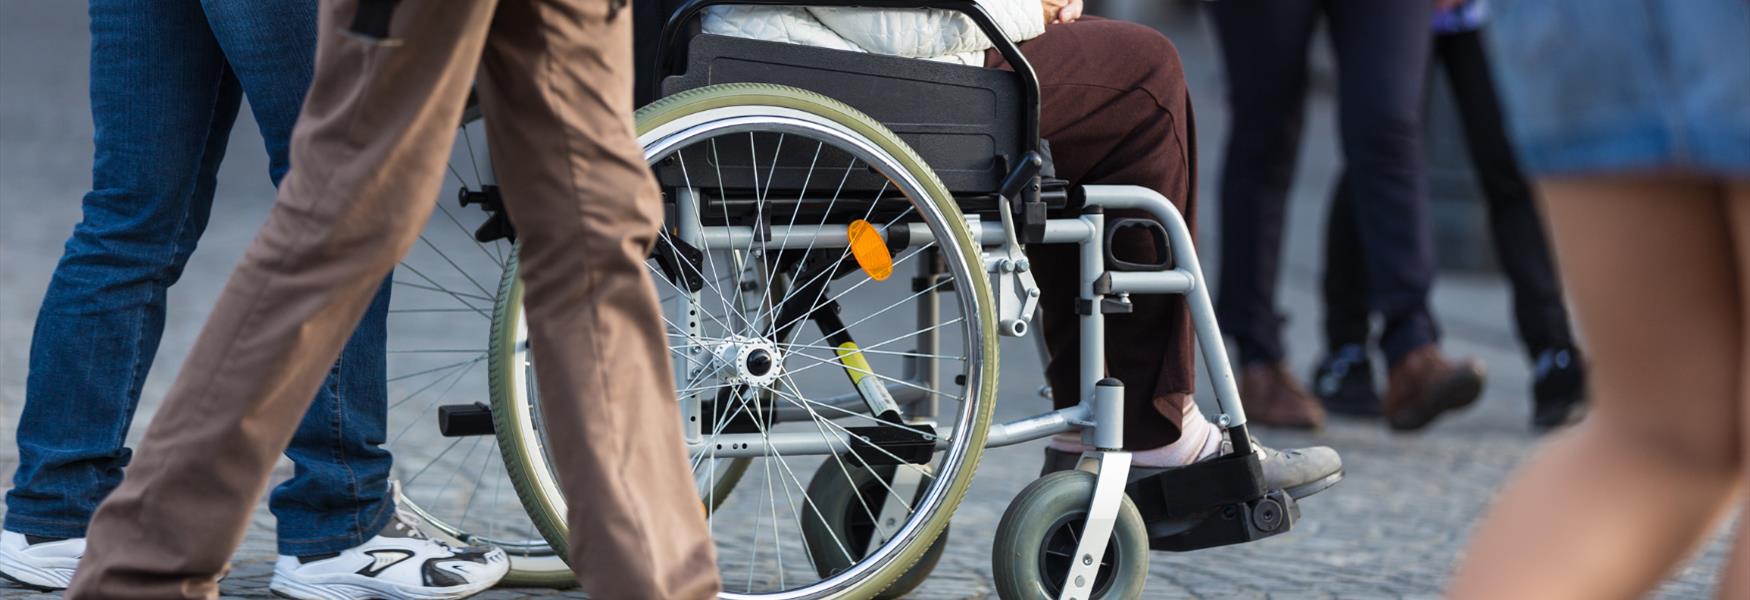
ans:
(854, 362)
(870, 250)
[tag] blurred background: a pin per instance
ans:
(1392, 529)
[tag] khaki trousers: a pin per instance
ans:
(554, 82)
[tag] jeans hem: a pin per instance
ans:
(325, 544)
(54, 528)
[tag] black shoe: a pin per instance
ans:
(1558, 389)
(1344, 382)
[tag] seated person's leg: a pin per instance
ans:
(1129, 122)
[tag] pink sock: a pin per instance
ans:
(1199, 440)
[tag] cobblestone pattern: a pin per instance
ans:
(1391, 530)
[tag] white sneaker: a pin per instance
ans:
(44, 564)
(399, 563)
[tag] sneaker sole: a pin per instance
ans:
(36, 578)
(285, 587)
(1314, 487)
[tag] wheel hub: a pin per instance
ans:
(749, 361)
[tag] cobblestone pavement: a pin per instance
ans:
(1392, 529)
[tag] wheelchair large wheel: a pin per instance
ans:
(453, 480)
(838, 494)
(787, 215)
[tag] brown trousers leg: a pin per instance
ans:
(368, 156)
(1115, 110)
(556, 89)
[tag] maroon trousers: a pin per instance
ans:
(1115, 110)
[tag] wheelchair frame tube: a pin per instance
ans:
(1209, 340)
(754, 445)
(797, 237)
(1176, 281)
(929, 312)
(1093, 330)
(1187, 279)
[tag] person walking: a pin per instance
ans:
(1382, 50)
(1634, 118)
(368, 151)
(167, 81)
(1343, 380)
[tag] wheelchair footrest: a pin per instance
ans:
(1237, 523)
(1211, 503)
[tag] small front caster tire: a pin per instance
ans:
(1037, 538)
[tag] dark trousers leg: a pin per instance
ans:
(1345, 277)
(1127, 123)
(1264, 46)
(1516, 225)
(1382, 54)
(1520, 241)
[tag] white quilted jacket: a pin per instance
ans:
(933, 34)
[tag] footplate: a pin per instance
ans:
(1212, 503)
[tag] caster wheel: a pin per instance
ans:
(846, 506)
(1037, 538)
(1269, 515)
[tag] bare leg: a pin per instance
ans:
(1606, 510)
(1735, 581)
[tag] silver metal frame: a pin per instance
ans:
(1099, 413)
(1185, 278)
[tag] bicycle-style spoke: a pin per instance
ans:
(741, 369)
(944, 324)
(846, 431)
(821, 424)
(453, 487)
(825, 335)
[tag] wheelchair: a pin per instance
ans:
(844, 244)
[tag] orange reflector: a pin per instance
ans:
(870, 250)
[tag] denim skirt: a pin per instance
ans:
(1597, 85)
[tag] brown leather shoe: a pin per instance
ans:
(1273, 397)
(1424, 384)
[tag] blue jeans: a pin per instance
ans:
(1675, 95)
(167, 80)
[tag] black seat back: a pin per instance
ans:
(960, 119)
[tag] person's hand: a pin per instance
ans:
(1062, 11)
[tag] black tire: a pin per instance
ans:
(838, 500)
(1036, 540)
